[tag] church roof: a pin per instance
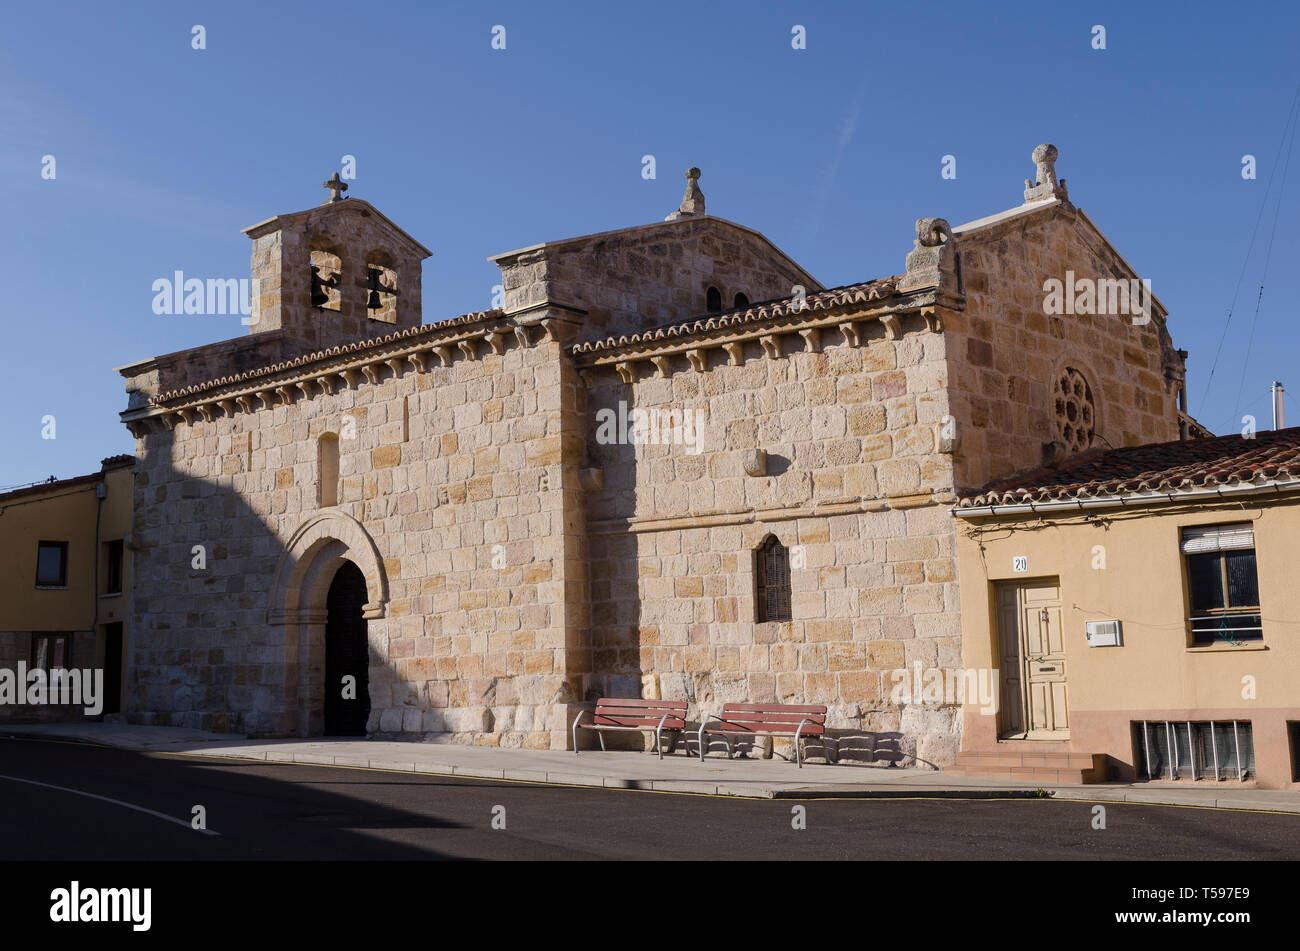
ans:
(409, 335)
(862, 292)
(670, 225)
(1168, 468)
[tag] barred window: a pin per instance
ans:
(1182, 749)
(772, 584)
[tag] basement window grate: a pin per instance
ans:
(1188, 749)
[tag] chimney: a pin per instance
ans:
(1276, 389)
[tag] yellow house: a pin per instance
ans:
(65, 585)
(1140, 608)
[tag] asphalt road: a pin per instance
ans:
(268, 811)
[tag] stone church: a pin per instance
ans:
(672, 464)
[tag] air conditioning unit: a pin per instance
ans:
(1104, 634)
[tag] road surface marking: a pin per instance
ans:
(116, 802)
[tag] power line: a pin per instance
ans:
(1295, 99)
(1268, 255)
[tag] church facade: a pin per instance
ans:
(671, 464)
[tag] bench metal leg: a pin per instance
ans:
(575, 731)
(600, 735)
(700, 735)
(659, 743)
(798, 756)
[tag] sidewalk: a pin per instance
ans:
(716, 776)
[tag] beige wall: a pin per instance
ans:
(68, 512)
(1155, 675)
(61, 513)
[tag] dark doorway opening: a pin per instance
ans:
(113, 667)
(347, 655)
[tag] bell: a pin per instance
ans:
(318, 296)
(373, 285)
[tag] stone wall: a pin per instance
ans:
(627, 281)
(855, 483)
(359, 236)
(1005, 352)
(457, 475)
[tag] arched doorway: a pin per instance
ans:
(347, 654)
(298, 609)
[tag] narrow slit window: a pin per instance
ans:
(772, 584)
(327, 468)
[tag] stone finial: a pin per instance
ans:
(693, 200)
(932, 261)
(336, 186)
(1044, 184)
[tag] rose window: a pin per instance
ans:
(1076, 413)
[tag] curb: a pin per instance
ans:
(718, 788)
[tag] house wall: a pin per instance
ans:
(1155, 675)
(61, 513)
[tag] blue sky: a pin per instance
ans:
(164, 153)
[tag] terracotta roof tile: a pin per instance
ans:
(753, 314)
(1157, 467)
(371, 343)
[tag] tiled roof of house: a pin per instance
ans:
(755, 313)
(1157, 467)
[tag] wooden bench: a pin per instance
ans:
(765, 719)
(640, 715)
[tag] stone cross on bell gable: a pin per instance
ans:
(336, 186)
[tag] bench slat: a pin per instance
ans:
(665, 704)
(809, 730)
(773, 708)
(637, 721)
(772, 717)
(752, 725)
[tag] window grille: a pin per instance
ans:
(1186, 749)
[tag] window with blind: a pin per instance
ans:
(772, 581)
(1222, 585)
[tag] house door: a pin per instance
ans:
(1032, 655)
(347, 655)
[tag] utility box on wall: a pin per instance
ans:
(1104, 634)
